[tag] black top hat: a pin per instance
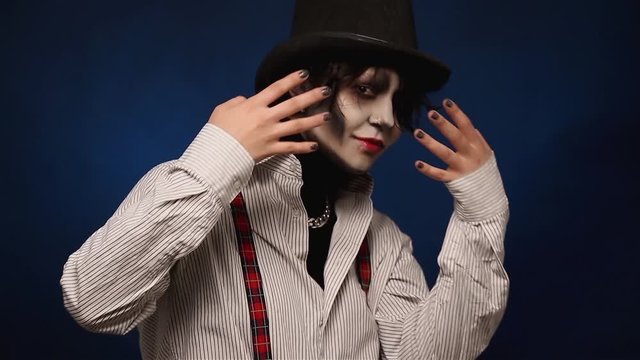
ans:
(376, 32)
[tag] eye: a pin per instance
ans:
(365, 90)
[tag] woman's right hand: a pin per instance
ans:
(259, 127)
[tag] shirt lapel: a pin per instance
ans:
(353, 212)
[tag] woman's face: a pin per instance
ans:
(368, 125)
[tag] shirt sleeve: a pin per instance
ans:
(458, 316)
(113, 281)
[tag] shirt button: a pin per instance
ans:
(236, 184)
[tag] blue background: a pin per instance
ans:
(97, 92)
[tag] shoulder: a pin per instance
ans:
(381, 222)
(386, 235)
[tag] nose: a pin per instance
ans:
(382, 113)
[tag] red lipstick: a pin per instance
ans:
(371, 145)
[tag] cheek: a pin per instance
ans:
(328, 135)
(335, 131)
(394, 136)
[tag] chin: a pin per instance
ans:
(357, 168)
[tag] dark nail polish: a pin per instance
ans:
(419, 165)
(419, 134)
(326, 91)
(448, 103)
(434, 116)
(314, 147)
(326, 117)
(303, 74)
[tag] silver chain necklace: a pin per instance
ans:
(321, 220)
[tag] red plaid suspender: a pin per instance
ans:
(253, 279)
(363, 266)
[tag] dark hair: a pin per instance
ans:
(408, 101)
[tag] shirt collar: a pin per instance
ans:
(289, 165)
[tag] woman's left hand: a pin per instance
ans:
(471, 149)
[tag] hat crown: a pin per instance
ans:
(375, 32)
(387, 20)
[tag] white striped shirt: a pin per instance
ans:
(167, 263)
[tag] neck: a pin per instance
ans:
(321, 179)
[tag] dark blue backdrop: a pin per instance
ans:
(97, 92)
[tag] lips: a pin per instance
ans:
(371, 145)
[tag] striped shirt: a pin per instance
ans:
(167, 263)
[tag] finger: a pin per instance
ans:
(274, 91)
(299, 102)
(432, 171)
(437, 148)
(483, 141)
(460, 119)
(440, 150)
(293, 147)
(450, 131)
(300, 125)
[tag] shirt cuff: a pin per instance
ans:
(220, 160)
(479, 195)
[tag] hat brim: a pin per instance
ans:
(428, 73)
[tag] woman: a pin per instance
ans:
(261, 240)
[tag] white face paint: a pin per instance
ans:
(368, 126)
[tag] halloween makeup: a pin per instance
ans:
(366, 123)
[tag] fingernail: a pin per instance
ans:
(326, 91)
(303, 74)
(448, 103)
(314, 147)
(419, 134)
(434, 115)
(419, 165)
(326, 116)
